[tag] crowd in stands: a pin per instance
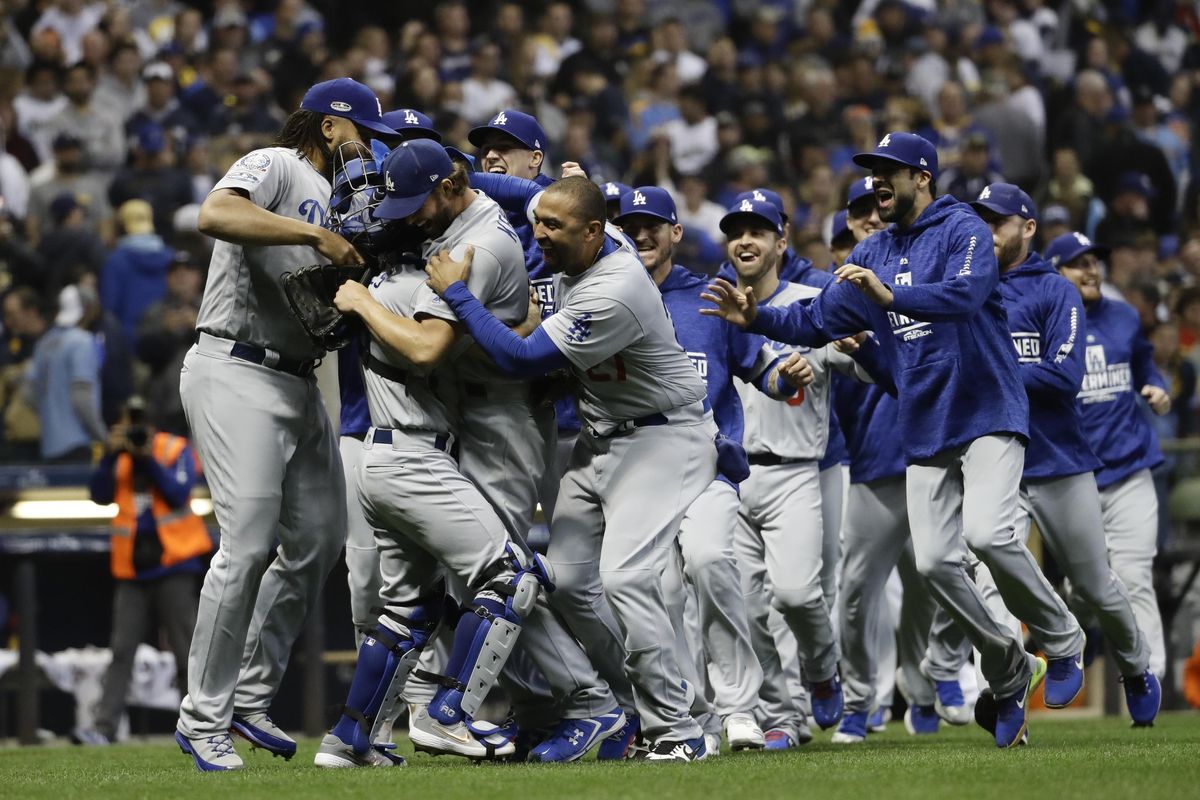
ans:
(116, 118)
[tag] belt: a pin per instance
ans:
(771, 460)
(628, 425)
(360, 435)
(269, 358)
(440, 441)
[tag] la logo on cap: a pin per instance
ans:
(886, 140)
(611, 189)
(759, 196)
(409, 117)
(746, 206)
(867, 182)
(500, 119)
(338, 105)
(986, 193)
(1083, 240)
(639, 199)
(387, 182)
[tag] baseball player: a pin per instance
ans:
(1058, 489)
(613, 192)
(425, 511)
(876, 541)
(1119, 368)
(260, 426)
(962, 409)
(719, 352)
(646, 452)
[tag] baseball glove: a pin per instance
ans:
(310, 292)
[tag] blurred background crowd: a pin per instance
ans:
(117, 117)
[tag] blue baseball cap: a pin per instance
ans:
(759, 195)
(905, 149)
(1136, 182)
(410, 173)
(614, 191)
(862, 187)
(839, 228)
(650, 201)
(1007, 200)
(1070, 246)
(346, 97)
(517, 124)
(411, 124)
(749, 207)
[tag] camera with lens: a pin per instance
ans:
(137, 433)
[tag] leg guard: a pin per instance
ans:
(386, 658)
(486, 634)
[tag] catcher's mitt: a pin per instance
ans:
(310, 292)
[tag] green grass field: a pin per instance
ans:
(1092, 758)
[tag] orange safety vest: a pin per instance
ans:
(182, 533)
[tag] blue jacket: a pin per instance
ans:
(133, 278)
(719, 351)
(1045, 315)
(868, 419)
(1119, 362)
(356, 417)
(945, 335)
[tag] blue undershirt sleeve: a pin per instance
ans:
(522, 358)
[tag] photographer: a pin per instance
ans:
(158, 549)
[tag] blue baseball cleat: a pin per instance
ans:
(260, 731)
(827, 702)
(1010, 726)
(852, 730)
(779, 739)
(921, 720)
(621, 744)
(1064, 680)
(950, 704)
(573, 738)
(1143, 696)
(877, 722)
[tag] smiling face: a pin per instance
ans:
(655, 239)
(565, 238)
(753, 247)
(1084, 272)
(862, 218)
(501, 154)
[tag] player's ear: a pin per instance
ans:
(676, 233)
(536, 158)
(1030, 228)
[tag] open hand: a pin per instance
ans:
(866, 282)
(732, 304)
(444, 270)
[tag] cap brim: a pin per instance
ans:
(378, 127)
(729, 218)
(617, 219)
(992, 207)
(400, 207)
(871, 160)
(1100, 250)
(476, 136)
(458, 155)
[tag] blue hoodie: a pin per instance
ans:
(719, 350)
(1045, 315)
(945, 335)
(1119, 362)
(133, 278)
(868, 418)
(355, 416)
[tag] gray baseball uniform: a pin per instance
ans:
(269, 454)
(502, 440)
(781, 538)
(645, 455)
(362, 558)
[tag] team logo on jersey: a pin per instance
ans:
(1029, 347)
(1103, 382)
(410, 118)
(312, 211)
(700, 362)
(338, 105)
(639, 199)
(500, 119)
(581, 328)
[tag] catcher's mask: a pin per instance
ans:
(357, 191)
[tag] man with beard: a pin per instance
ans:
(928, 287)
(1058, 488)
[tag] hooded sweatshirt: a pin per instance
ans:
(1119, 362)
(945, 334)
(1045, 315)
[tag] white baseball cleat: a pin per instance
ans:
(210, 753)
(336, 754)
(712, 745)
(743, 732)
(430, 736)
